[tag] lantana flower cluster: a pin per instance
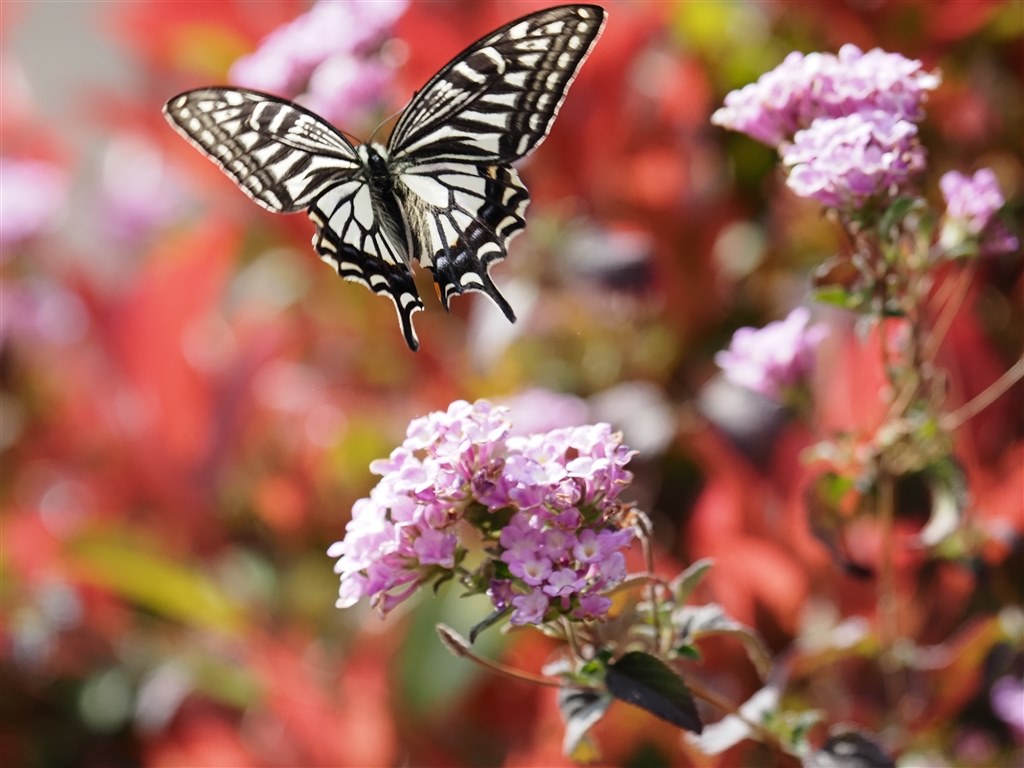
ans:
(546, 506)
(845, 125)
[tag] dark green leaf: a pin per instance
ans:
(646, 682)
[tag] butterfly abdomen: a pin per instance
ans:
(385, 203)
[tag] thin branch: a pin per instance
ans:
(455, 643)
(951, 304)
(973, 407)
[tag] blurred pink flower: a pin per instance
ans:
(346, 83)
(32, 197)
(804, 88)
(540, 410)
(326, 53)
(138, 189)
(1007, 699)
(972, 203)
(844, 161)
(37, 309)
(769, 359)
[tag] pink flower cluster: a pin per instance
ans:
(804, 88)
(844, 125)
(547, 504)
(323, 56)
(769, 359)
(845, 161)
(972, 203)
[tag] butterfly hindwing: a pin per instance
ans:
(351, 236)
(279, 154)
(463, 217)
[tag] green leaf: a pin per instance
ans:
(838, 296)
(646, 682)
(893, 216)
(429, 678)
(682, 586)
(695, 622)
(159, 584)
(830, 501)
(688, 651)
(581, 709)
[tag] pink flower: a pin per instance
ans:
(593, 606)
(556, 491)
(845, 161)
(972, 205)
(774, 357)
(529, 609)
(33, 194)
(1007, 699)
(804, 88)
(325, 57)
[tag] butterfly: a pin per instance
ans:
(442, 192)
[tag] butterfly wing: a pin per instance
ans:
(451, 150)
(279, 154)
(496, 101)
(359, 238)
(287, 159)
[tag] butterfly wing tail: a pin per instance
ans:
(386, 279)
(465, 265)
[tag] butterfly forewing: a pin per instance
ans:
(496, 101)
(282, 156)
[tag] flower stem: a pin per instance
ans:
(975, 406)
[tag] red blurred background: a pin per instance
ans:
(190, 399)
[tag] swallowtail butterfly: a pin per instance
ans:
(442, 192)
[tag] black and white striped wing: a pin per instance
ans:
(451, 151)
(281, 155)
(496, 101)
(287, 159)
(362, 242)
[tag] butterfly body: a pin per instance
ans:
(441, 193)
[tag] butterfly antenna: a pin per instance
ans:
(393, 116)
